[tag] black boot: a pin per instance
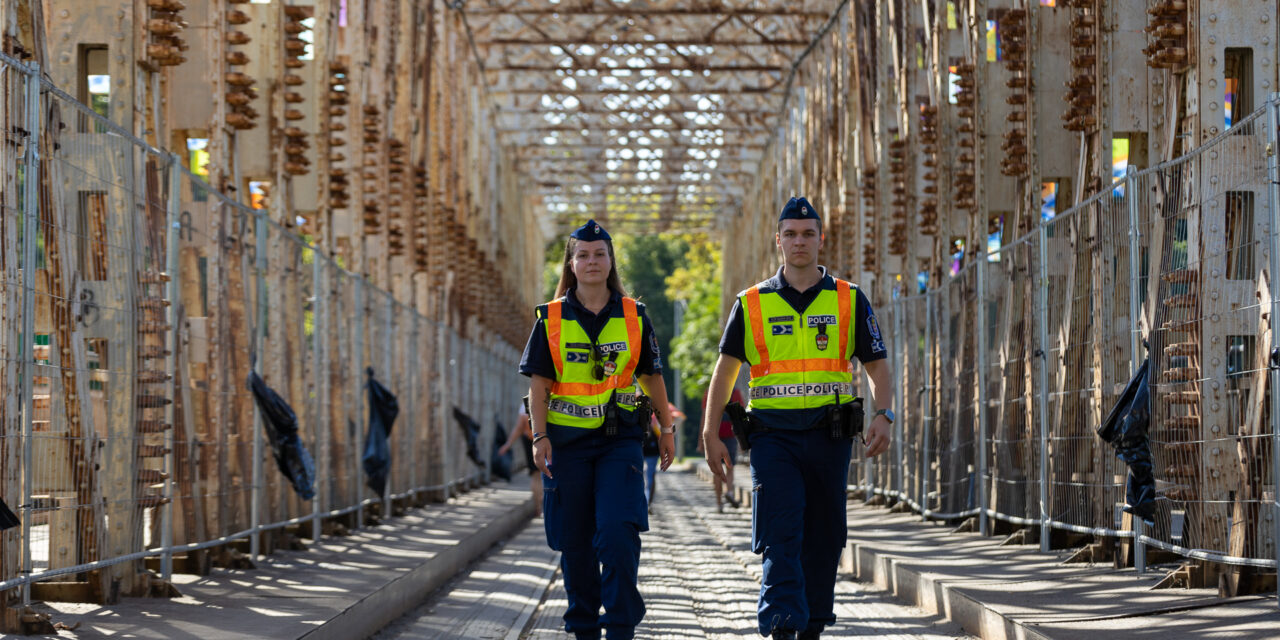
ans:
(810, 635)
(784, 634)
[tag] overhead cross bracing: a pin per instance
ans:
(646, 114)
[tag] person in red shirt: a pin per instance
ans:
(724, 490)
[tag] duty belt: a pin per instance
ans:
(801, 390)
(591, 410)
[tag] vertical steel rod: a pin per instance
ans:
(899, 412)
(928, 403)
(172, 294)
(1273, 210)
(983, 487)
(1042, 328)
(1135, 330)
(260, 313)
(30, 229)
(361, 395)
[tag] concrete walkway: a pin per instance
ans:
(698, 577)
(1002, 592)
(341, 588)
(439, 565)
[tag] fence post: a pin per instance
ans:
(983, 486)
(1042, 329)
(388, 374)
(30, 228)
(1135, 332)
(412, 419)
(358, 362)
(172, 295)
(1273, 203)
(899, 428)
(320, 333)
(260, 331)
(928, 402)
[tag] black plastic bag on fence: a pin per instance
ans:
(383, 409)
(1125, 429)
(281, 425)
(500, 464)
(471, 431)
(7, 518)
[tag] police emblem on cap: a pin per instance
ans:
(596, 228)
(821, 341)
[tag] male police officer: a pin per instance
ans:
(799, 331)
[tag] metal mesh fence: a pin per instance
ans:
(1012, 411)
(1006, 370)
(1206, 227)
(136, 301)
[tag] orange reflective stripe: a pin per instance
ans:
(553, 335)
(843, 299)
(632, 317)
(585, 388)
(756, 317)
(802, 365)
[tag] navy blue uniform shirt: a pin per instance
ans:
(536, 359)
(868, 344)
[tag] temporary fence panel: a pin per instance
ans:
(136, 301)
(1179, 256)
(1205, 224)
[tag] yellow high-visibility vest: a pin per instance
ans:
(578, 398)
(799, 360)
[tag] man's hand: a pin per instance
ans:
(542, 455)
(667, 449)
(876, 439)
(717, 456)
(506, 446)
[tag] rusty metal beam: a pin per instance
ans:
(605, 41)
(633, 127)
(561, 91)
(694, 66)
(702, 10)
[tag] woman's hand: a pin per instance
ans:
(542, 456)
(506, 446)
(667, 449)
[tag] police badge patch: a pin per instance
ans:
(820, 341)
(873, 327)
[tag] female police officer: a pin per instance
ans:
(586, 350)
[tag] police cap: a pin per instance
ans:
(590, 232)
(798, 209)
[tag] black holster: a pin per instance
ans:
(743, 425)
(844, 421)
(644, 413)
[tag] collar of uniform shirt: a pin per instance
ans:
(779, 281)
(572, 297)
(592, 323)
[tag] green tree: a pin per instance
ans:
(697, 283)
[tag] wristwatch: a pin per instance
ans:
(887, 414)
(666, 430)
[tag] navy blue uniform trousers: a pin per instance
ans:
(594, 511)
(798, 525)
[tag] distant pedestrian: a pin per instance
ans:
(724, 488)
(525, 434)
